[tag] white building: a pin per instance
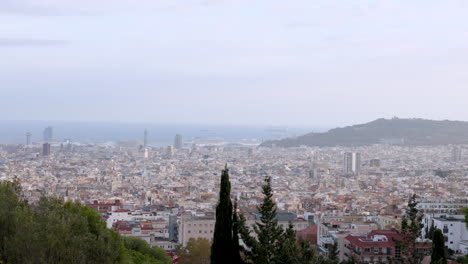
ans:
(453, 228)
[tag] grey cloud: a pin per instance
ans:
(9, 42)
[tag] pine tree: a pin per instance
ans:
(221, 249)
(289, 251)
(439, 254)
(263, 249)
(411, 228)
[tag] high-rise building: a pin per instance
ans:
(352, 163)
(28, 138)
(178, 142)
(145, 138)
(48, 134)
(456, 154)
(46, 149)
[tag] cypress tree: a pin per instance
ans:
(221, 249)
(438, 255)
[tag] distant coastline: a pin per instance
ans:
(14, 132)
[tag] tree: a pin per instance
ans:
(439, 254)
(333, 254)
(56, 232)
(289, 249)
(430, 232)
(265, 247)
(196, 252)
(221, 249)
(236, 257)
(411, 227)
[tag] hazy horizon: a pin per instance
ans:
(233, 62)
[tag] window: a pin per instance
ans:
(189, 231)
(445, 229)
(376, 250)
(199, 231)
(367, 250)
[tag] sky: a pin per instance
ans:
(317, 63)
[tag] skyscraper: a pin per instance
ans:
(352, 163)
(178, 142)
(145, 139)
(28, 138)
(48, 134)
(46, 149)
(456, 154)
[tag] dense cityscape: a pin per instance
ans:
(332, 195)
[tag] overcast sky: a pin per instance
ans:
(267, 62)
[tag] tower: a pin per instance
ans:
(178, 142)
(352, 163)
(456, 154)
(48, 134)
(145, 139)
(46, 149)
(28, 138)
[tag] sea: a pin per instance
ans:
(14, 132)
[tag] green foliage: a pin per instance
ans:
(196, 252)
(333, 254)
(439, 254)
(221, 249)
(430, 232)
(141, 252)
(58, 232)
(411, 227)
(272, 244)
(263, 249)
(236, 248)
(463, 259)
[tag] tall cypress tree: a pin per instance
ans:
(438, 256)
(221, 249)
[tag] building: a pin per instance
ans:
(456, 154)
(145, 139)
(48, 134)
(28, 138)
(441, 205)
(178, 142)
(379, 246)
(352, 163)
(46, 149)
(453, 228)
(203, 226)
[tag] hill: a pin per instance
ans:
(393, 131)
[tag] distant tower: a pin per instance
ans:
(28, 138)
(145, 138)
(46, 149)
(456, 154)
(48, 134)
(178, 142)
(352, 163)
